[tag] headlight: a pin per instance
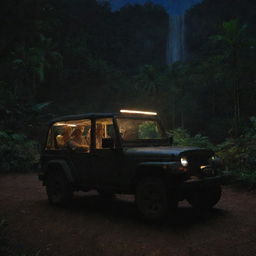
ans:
(184, 161)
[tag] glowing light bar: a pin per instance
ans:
(59, 124)
(138, 112)
(62, 124)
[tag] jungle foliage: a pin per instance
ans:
(74, 56)
(18, 154)
(238, 154)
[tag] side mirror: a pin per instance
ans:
(171, 140)
(107, 143)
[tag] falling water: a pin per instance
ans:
(176, 39)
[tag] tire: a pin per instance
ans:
(205, 198)
(153, 199)
(58, 189)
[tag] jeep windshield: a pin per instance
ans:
(141, 132)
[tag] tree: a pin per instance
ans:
(33, 63)
(234, 41)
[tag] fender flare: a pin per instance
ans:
(152, 169)
(160, 169)
(64, 166)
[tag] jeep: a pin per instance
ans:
(127, 153)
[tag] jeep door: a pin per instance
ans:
(79, 149)
(106, 160)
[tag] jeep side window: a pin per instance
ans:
(80, 136)
(70, 135)
(104, 130)
(55, 137)
(62, 134)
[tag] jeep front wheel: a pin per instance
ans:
(205, 198)
(59, 190)
(152, 199)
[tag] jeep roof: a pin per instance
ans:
(123, 113)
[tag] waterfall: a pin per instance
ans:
(176, 39)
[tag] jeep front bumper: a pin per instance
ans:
(195, 183)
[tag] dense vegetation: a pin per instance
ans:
(221, 43)
(73, 56)
(237, 153)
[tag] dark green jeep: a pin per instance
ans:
(126, 153)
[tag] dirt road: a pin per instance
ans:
(92, 227)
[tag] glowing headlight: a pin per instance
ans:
(184, 161)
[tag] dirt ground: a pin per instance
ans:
(95, 227)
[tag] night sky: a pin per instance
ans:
(174, 7)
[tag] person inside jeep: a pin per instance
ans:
(77, 141)
(63, 137)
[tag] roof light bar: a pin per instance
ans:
(62, 124)
(59, 124)
(138, 112)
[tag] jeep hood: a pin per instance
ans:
(169, 152)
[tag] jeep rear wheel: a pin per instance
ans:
(152, 199)
(205, 198)
(59, 190)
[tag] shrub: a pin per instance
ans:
(181, 137)
(239, 154)
(17, 153)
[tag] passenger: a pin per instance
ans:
(66, 134)
(63, 137)
(77, 140)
